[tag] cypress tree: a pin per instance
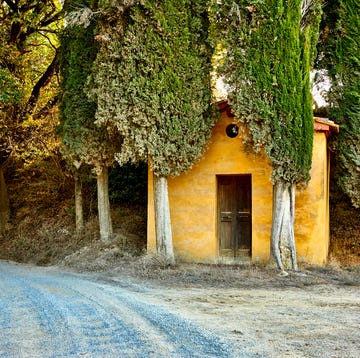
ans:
(339, 55)
(151, 81)
(269, 47)
(83, 142)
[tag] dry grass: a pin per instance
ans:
(44, 239)
(154, 269)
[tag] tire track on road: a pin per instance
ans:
(156, 345)
(69, 316)
(98, 331)
(35, 324)
(73, 325)
(180, 337)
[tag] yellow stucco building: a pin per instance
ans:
(221, 209)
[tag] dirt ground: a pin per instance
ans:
(267, 322)
(312, 321)
(311, 313)
(314, 312)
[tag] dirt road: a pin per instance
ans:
(45, 312)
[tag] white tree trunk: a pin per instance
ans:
(4, 202)
(79, 216)
(283, 249)
(164, 245)
(105, 224)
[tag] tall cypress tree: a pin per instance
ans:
(269, 47)
(83, 142)
(339, 55)
(151, 81)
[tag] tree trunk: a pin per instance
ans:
(164, 245)
(79, 216)
(4, 202)
(105, 224)
(283, 250)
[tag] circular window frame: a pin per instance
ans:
(232, 130)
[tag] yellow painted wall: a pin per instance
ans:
(193, 202)
(312, 209)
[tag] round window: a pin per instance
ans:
(232, 130)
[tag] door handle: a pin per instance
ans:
(226, 215)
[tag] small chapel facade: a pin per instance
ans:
(221, 209)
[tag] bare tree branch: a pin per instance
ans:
(42, 82)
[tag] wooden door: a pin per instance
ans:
(234, 215)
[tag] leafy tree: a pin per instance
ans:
(339, 55)
(9, 97)
(151, 82)
(83, 142)
(269, 48)
(28, 63)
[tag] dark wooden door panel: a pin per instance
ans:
(244, 233)
(234, 215)
(225, 235)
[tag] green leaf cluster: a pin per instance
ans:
(340, 56)
(27, 67)
(82, 140)
(151, 82)
(267, 70)
(10, 92)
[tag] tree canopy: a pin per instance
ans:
(339, 56)
(28, 64)
(266, 68)
(83, 142)
(151, 81)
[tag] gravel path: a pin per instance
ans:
(46, 313)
